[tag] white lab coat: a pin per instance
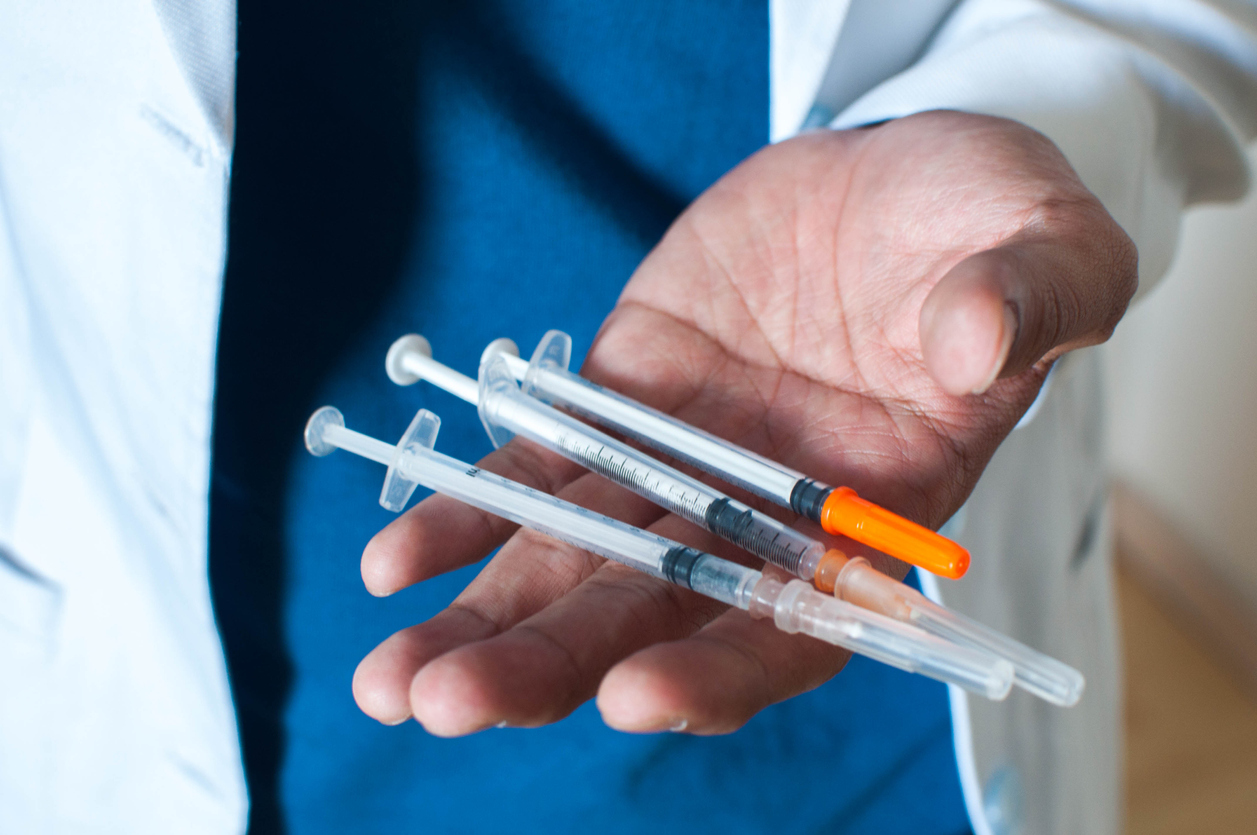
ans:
(115, 128)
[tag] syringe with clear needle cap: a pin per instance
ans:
(505, 410)
(794, 606)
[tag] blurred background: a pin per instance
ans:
(1183, 436)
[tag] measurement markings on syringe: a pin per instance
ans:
(724, 517)
(738, 523)
(620, 468)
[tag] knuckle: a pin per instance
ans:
(554, 563)
(1076, 216)
(1106, 264)
(1117, 266)
(572, 684)
(1125, 260)
(650, 602)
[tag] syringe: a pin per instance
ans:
(505, 410)
(838, 510)
(794, 606)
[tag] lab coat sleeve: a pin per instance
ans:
(1151, 102)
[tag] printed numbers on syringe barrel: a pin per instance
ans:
(717, 513)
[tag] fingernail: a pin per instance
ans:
(502, 724)
(680, 726)
(395, 722)
(1006, 344)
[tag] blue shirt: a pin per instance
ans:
(468, 171)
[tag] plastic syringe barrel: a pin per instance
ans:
(752, 472)
(523, 505)
(792, 610)
(503, 405)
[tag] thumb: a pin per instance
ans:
(999, 312)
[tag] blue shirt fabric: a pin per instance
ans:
(469, 171)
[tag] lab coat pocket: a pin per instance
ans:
(30, 609)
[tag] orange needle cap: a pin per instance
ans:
(847, 514)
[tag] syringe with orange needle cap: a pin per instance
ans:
(838, 510)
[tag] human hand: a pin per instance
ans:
(874, 307)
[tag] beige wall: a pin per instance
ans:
(1183, 383)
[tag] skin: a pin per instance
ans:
(874, 307)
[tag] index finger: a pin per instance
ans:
(440, 534)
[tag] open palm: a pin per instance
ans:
(875, 308)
